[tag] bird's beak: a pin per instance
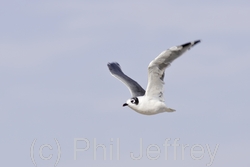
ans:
(125, 104)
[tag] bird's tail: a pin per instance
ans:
(170, 110)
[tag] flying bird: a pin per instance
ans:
(151, 101)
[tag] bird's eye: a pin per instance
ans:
(134, 100)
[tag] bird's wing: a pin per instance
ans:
(134, 88)
(157, 68)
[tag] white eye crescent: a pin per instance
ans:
(132, 101)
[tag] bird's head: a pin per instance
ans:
(132, 102)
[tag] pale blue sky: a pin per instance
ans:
(55, 82)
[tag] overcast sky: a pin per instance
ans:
(58, 101)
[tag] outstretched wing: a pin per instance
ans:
(134, 88)
(157, 68)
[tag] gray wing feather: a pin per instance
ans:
(157, 68)
(134, 88)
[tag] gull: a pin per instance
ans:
(151, 101)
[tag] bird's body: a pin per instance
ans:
(151, 101)
(149, 106)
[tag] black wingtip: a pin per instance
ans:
(191, 43)
(197, 41)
